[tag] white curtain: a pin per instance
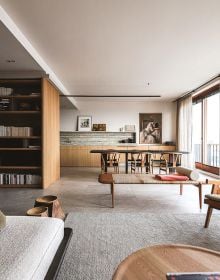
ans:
(184, 130)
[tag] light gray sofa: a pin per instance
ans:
(28, 246)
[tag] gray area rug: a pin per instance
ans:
(101, 241)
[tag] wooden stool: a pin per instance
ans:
(40, 211)
(53, 205)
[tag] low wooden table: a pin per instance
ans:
(112, 179)
(153, 263)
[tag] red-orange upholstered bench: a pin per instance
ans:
(112, 179)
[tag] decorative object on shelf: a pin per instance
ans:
(150, 126)
(4, 104)
(129, 128)
(24, 106)
(99, 127)
(84, 123)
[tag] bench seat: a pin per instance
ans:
(112, 179)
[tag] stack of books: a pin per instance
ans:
(19, 179)
(15, 131)
(5, 91)
(4, 104)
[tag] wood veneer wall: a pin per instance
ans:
(51, 133)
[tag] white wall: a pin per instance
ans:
(118, 114)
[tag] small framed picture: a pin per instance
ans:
(84, 123)
(129, 128)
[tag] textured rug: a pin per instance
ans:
(101, 241)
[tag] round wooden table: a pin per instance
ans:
(153, 263)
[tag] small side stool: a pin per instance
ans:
(40, 211)
(53, 205)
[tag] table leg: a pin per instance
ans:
(126, 163)
(105, 160)
(181, 189)
(113, 194)
(200, 195)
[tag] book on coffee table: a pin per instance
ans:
(194, 276)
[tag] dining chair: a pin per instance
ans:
(139, 161)
(112, 160)
(169, 161)
(213, 200)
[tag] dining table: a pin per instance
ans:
(126, 152)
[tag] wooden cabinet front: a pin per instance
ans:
(80, 156)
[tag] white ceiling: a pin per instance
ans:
(11, 49)
(118, 46)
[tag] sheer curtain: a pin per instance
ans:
(184, 130)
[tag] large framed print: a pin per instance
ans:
(84, 123)
(150, 128)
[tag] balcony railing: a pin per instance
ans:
(213, 154)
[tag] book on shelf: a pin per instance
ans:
(15, 131)
(5, 91)
(34, 94)
(193, 276)
(19, 179)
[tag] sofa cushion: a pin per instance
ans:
(28, 246)
(2, 220)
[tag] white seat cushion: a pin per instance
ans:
(28, 246)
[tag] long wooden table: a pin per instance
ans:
(112, 179)
(156, 261)
(127, 152)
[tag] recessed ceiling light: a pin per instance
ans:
(10, 61)
(148, 84)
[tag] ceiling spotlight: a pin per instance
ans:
(148, 84)
(10, 61)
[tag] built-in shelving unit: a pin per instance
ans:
(27, 106)
(96, 137)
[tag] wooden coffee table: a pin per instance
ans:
(153, 263)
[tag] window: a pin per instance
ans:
(206, 131)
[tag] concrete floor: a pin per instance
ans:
(78, 189)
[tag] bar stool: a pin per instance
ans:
(53, 205)
(40, 211)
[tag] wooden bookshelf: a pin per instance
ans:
(20, 186)
(19, 112)
(20, 137)
(21, 149)
(21, 96)
(32, 109)
(2, 167)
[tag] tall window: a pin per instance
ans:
(206, 131)
(213, 130)
(197, 131)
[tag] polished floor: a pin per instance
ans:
(78, 189)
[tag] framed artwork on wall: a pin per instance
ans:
(150, 128)
(84, 123)
(129, 128)
(99, 127)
